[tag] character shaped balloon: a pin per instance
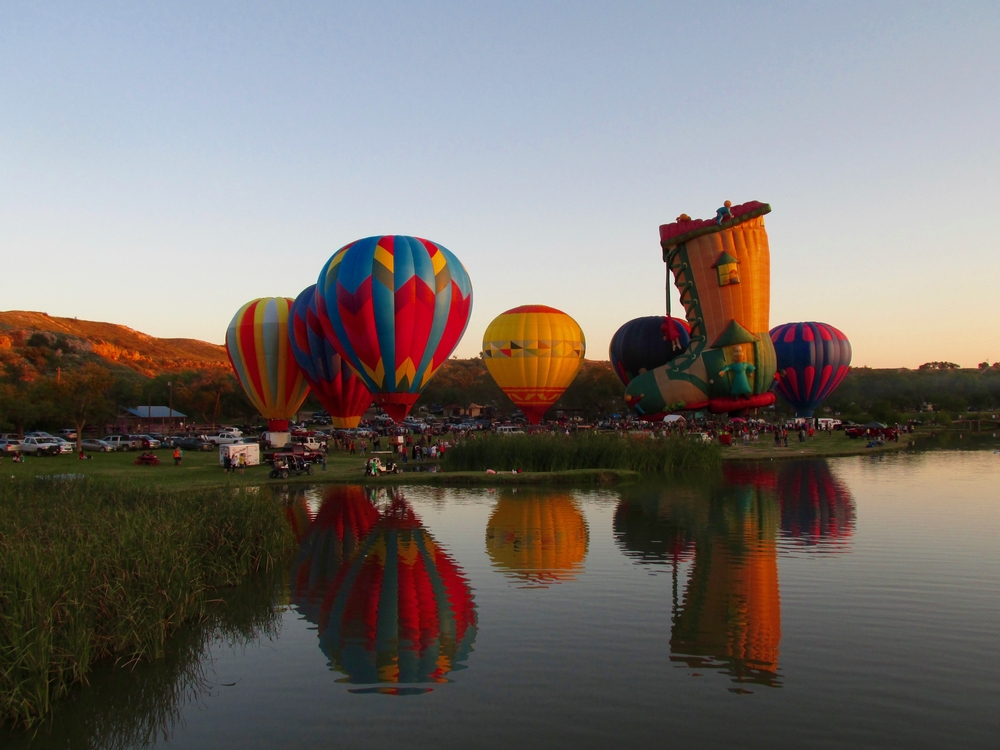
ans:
(395, 308)
(331, 379)
(259, 351)
(533, 353)
(813, 359)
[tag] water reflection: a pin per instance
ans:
(537, 538)
(725, 537)
(391, 605)
(817, 509)
(137, 706)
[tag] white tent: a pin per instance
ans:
(671, 418)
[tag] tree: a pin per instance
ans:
(83, 396)
(23, 404)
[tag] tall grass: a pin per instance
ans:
(549, 452)
(90, 570)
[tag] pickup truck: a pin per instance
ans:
(124, 442)
(224, 438)
(44, 446)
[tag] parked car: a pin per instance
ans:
(67, 433)
(124, 442)
(44, 446)
(11, 445)
(93, 444)
(146, 442)
(196, 443)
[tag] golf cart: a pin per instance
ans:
(284, 465)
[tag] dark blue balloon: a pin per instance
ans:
(647, 343)
(813, 359)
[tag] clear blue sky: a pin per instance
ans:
(162, 163)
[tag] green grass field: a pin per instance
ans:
(197, 469)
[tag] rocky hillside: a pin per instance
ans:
(32, 342)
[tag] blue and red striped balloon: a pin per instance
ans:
(813, 359)
(331, 379)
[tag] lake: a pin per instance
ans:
(851, 602)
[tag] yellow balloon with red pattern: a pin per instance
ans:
(533, 353)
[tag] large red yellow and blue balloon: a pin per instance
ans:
(395, 307)
(533, 353)
(330, 378)
(260, 352)
(813, 359)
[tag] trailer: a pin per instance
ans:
(250, 450)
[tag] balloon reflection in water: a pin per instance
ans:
(343, 521)
(400, 610)
(816, 507)
(729, 617)
(539, 539)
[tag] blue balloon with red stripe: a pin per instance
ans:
(813, 359)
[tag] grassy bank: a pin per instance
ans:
(532, 453)
(92, 569)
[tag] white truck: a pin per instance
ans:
(224, 438)
(44, 446)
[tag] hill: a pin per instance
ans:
(34, 343)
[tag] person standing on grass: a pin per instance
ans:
(243, 462)
(178, 455)
(227, 463)
(323, 461)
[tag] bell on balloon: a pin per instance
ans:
(813, 359)
(533, 353)
(331, 379)
(395, 307)
(260, 353)
(644, 344)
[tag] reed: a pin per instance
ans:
(90, 570)
(548, 452)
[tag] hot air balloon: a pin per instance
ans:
(813, 359)
(395, 308)
(331, 379)
(538, 539)
(330, 541)
(261, 356)
(401, 610)
(533, 353)
(644, 344)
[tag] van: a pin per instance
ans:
(509, 430)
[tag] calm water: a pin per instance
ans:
(845, 603)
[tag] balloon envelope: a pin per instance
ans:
(260, 353)
(813, 359)
(395, 307)
(331, 379)
(644, 344)
(533, 353)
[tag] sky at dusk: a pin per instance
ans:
(163, 163)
